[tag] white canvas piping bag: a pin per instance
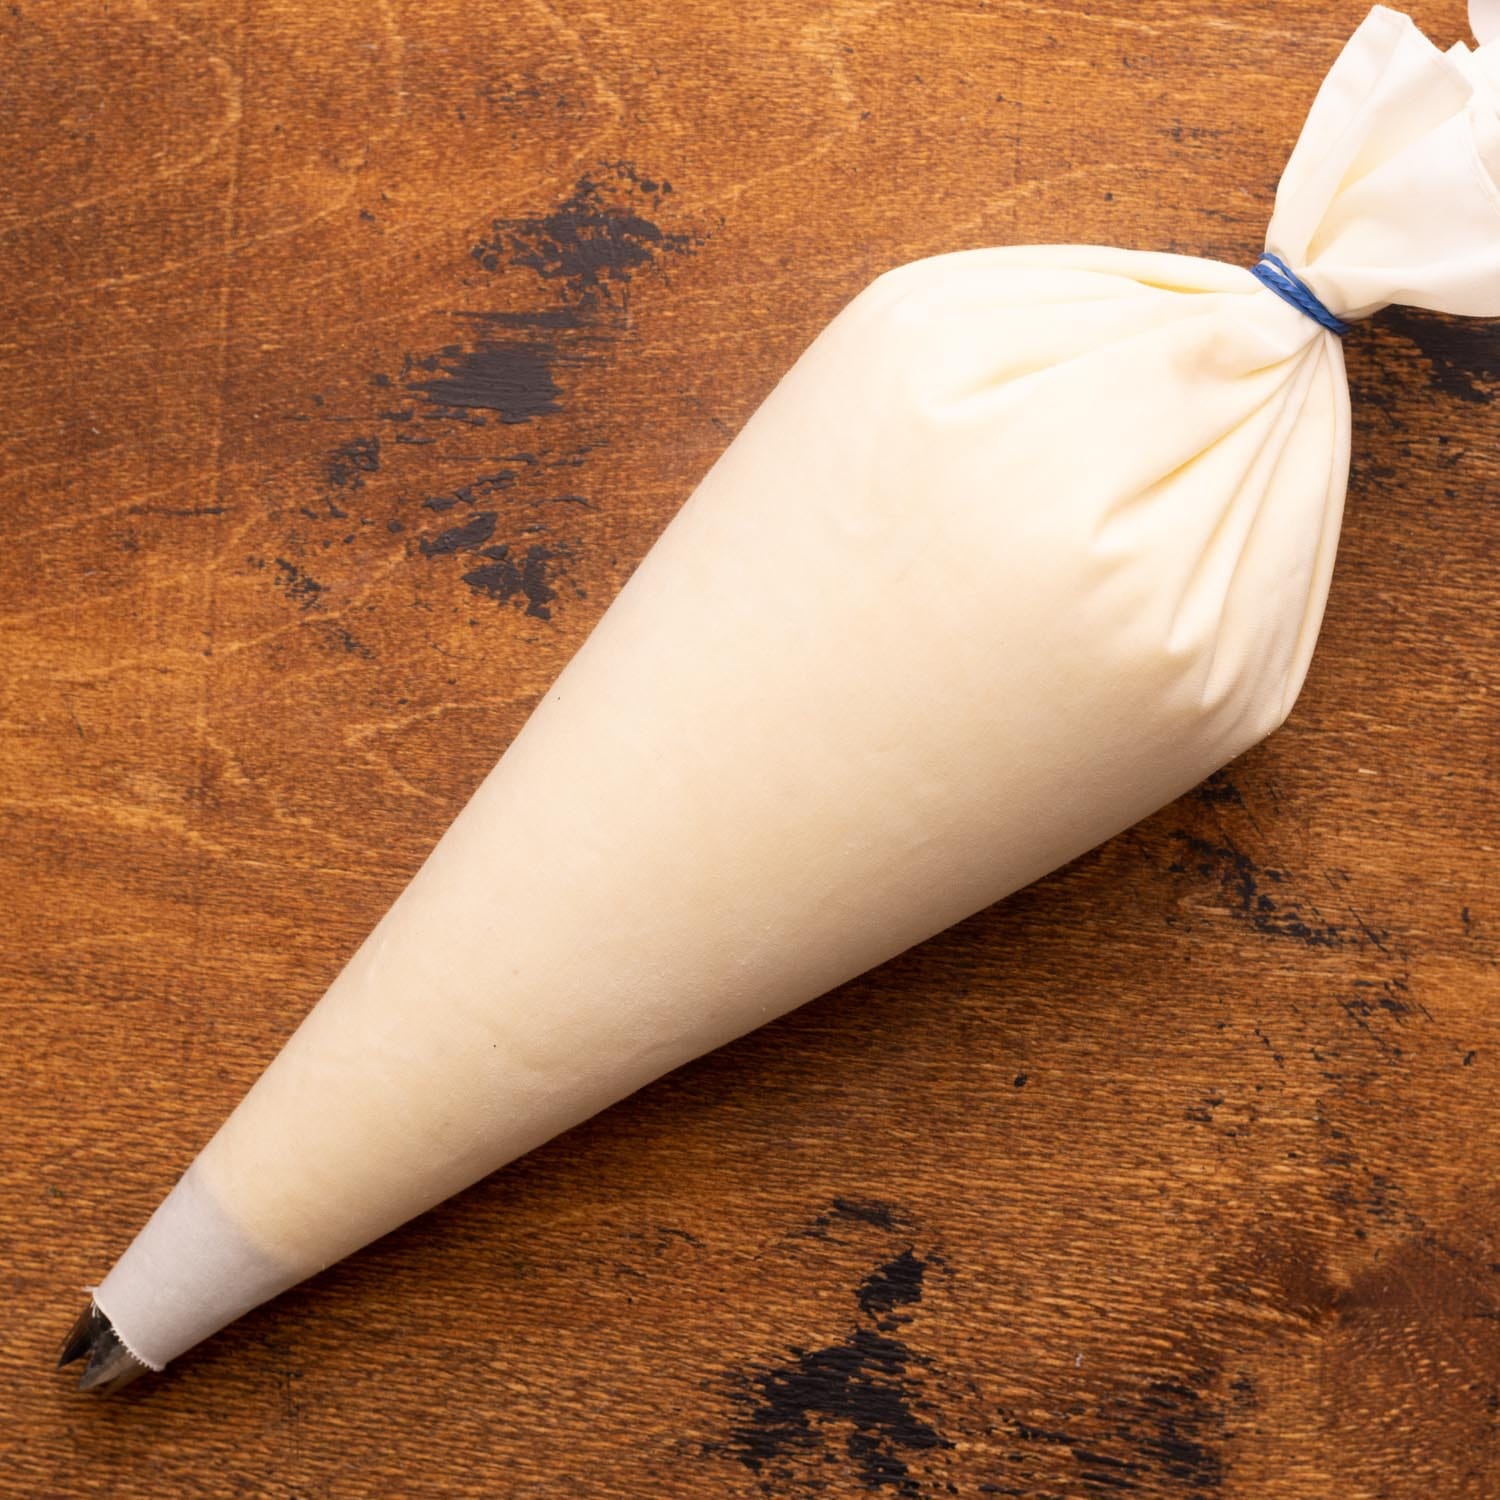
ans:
(1066, 517)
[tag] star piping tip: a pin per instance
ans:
(111, 1366)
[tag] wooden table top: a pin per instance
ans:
(1173, 1176)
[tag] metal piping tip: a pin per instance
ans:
(111, 1366)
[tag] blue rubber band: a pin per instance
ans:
(1270, 270)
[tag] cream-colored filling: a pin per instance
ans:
(1026, 545)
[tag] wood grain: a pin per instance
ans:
(353, 355)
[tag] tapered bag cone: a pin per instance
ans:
(1064, 520)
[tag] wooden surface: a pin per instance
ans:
(352, 357)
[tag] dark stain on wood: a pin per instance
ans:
(1219, 790)
(176, 512)
(349, 463)
(344, 639)
(585, 251)
(477, 489)
(844, 1210)
(512, 378)
(298, 585)
(855, 1402)
(1165, 1439)
(896, 1284)
(594, 241)
(529, 578)
(1462, 356)
(1247, 885)
(472, 534)
(505, 369)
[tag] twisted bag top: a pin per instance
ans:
(1390, 194)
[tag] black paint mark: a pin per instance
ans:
(1218, 789)
(592, 243)
(859, 1384)
(898, 1283)
(503, 578)
(1380, 1198)
(486, 484)
(1163, 1441)
(1464, 357)
(504, 367)
(348, 464)
(854, 1211)
(476, 490)
(860, 1390)
(297, 585)
(176, 512)
(1180, 132)
(1243, 884)
(881, 1215)
(474, 533)
(511, 377)
(1170, 1430)
(340, 637)
(1274, 903)
(1391, 997)
(1203, 1114)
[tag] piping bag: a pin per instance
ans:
(1066, 517)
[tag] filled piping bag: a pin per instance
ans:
(1065, 519)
